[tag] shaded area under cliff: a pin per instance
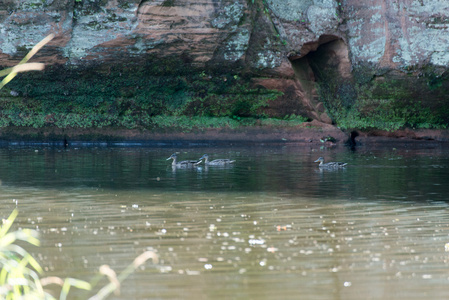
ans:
(365, 97)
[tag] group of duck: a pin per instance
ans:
(226, 161)
(194, 163)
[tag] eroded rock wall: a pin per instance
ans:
(376, 64)
(357, 63)
(106, 30)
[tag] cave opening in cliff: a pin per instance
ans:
(324, 70)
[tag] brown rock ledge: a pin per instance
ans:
(311, 133)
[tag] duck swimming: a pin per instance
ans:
(215, 162)
(330, 165)
(184, 163)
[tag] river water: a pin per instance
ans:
(272, 226)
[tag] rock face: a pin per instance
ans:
(356, 63)
(106, 30)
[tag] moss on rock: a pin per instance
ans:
(132, 96)
(388, 101)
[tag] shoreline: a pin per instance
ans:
(310, 133)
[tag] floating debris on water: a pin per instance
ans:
(272, 249)
(162, 231)
(283, 227)
(193, 273)
(446, 247)
(253, 242)
(165, 269)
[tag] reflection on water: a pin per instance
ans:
(272, 226)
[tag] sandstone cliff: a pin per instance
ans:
(355, 63)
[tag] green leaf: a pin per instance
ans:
(69, 282)
(4, 229)
(34, 263)
(7, 240)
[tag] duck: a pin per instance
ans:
(215, 162)
(330, 165)
(184, 163)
